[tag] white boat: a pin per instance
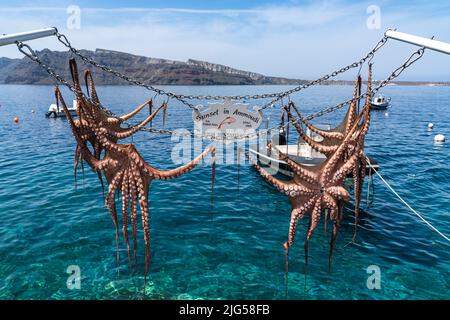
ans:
(301, 153)
(379, 102)
(53, 111)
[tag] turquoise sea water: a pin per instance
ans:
(233, 251)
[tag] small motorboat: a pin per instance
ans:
(55, 112)
(301, 153)
(379, 102)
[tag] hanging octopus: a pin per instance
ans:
(125, 170)
(112, 124)
(318, 189)
(334, 137)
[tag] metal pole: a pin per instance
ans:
(419, 41)
(8, 39)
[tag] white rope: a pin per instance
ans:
(401, 199)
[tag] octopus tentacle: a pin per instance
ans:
(323, 133)
(82, 168)
(325, 221)
(345, 169)
(334, 159)
(298, 169)
(97, 154)
(129, 132)
(326, 150)
(125, 196)
(133, 214)
(358, 176)
(75, 163)
(336, 225)
(111, 205)
(357, 196)
(90, 86)
(352, 112)
(334, 213)
(86, 154)
(74, 73)
(330, 205)
(329, 201)
(337, 134)
(367, 108)
(137, 110)
(314, 218)
(296, 214)
(359, 170)
(362, 170)
(338, 192)
(112, 120)
(83, 105)
(289, 188)
(174, 173)
(142, 195)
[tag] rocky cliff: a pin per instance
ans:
(149, 70)
(153, 71)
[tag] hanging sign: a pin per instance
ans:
(228, 121)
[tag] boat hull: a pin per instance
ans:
(60, 114)
(277, 166)
(382, 106)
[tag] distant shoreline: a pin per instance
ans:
(337, 83)
(154, 71)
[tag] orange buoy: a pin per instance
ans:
(16, 119)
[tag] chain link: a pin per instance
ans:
(412, 58)
(183, 98)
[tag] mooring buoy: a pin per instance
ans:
(16, 119)
(439, 138)
(430, 125)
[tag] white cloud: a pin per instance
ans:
(293, 41)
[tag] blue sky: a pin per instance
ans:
(300, 39)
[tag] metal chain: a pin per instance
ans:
(32, 56)
(359, 64)
(412, 58)
(182, 98)
(26, 50)
(63, 39)
(416, 55)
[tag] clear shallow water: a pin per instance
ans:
(47, 225)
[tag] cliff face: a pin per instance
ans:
(149, 70)
(221, 68)
(153, 71)
(6, 65)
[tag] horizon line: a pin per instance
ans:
(446, 82)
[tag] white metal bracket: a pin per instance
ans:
(419, 41)
(8, 39)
